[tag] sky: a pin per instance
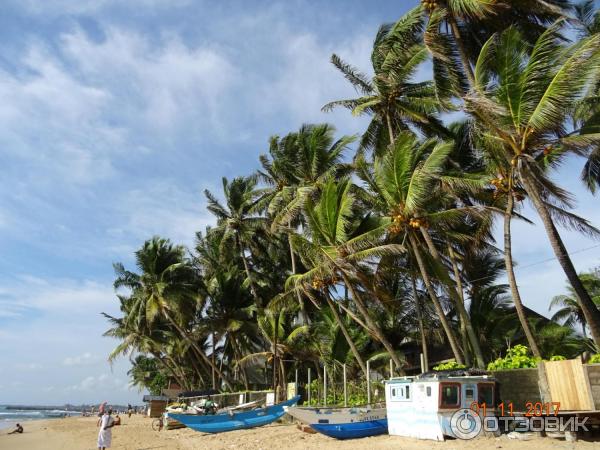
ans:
(115, 116)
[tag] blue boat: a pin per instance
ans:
(352, 430)
(343, 423)
(231, 421)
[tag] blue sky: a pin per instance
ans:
(115, 116)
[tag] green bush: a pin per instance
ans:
(557, 358)
(516, 358)
(449, 366)
(595, 359)
(357, 393)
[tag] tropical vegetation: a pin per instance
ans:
(342, 252)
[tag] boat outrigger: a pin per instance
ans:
(231, 420)
(343, 423)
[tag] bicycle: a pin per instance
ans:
(158, 424)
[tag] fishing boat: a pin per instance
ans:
(343, 423)
(425, 406)
(231, 420)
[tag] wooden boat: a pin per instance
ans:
(343, 423)
(232, 420)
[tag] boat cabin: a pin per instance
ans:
(422, 407)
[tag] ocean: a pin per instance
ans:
(9, 417)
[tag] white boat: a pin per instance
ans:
(423, 407)
(343, 423)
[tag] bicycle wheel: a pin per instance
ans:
(157, 424)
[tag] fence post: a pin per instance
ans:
(368, 382)
(309, 386)
(345, 388)
(324, 385)
(296, 382)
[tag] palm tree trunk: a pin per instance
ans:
(247, 270)
(390, 129)
(171, 370)
(346, 334)
(283, 379)
(436, 303)
(590, 310)
(461, 49)
(197, 349)
(512, 281)
(371, 323)
(464, 337)
(420, 322)
(460, 306)
(212, 357)
(198, 372)
(275, 335)
(293, 260)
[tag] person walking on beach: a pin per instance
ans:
(106, 423)
(129, 409)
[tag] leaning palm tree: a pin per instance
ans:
(332, 252)
(167, 287)
(402, 185)
(521, 100)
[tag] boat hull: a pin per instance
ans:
(343, 423)
(220, 423)
(352, 430)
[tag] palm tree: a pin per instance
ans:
(337, 246)
(283, 340)
(392, 97)
(166, 287)
(521, 100)
(402, 185)
(239, 221)
(456, 30)
(298, 165)
(569, 312)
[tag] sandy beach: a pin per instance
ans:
(136, 434)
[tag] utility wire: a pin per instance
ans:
(553, 258)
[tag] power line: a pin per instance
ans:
(553, 258)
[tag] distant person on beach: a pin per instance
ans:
(18, 429)
(106, 423)
(129, 409)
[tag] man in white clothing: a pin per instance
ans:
(106, 423)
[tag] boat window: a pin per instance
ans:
(428, 391)
(449, 395)
(485, 393)
(469, 393)
(401, 393)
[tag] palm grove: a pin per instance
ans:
(343, 249)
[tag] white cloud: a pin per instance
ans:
(62, 7)
(26, 293)
(163, 209)
(81, 360)
(28, 366)
(98, 383)
(165, 85)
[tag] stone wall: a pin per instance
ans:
(593, 372)
(518, 386)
